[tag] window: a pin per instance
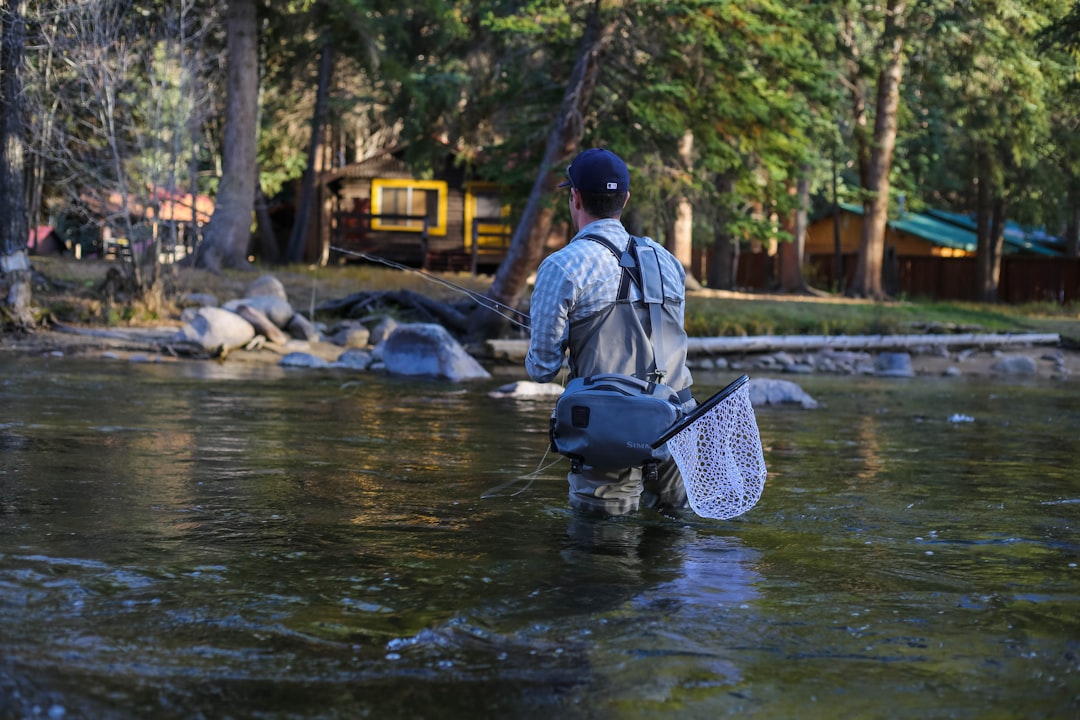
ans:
(484, 215)
(409, 203)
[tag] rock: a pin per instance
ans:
(267, 286)
(354, 359)
(894, 364)
(382, 330)
(1015, 365)
(351, 335)
(427, 349)
(278, 310)
(527, 390)
(303, 360)
(216, 329)
(779, 392)
(301, 328)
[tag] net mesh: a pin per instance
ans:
(721, 459)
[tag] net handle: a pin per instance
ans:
(700, 410)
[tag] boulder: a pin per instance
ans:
(427, 349)
(1015, 365)
(267, 286)
(277, 309)
(354, 359)
(301, 328)
(894, 364)
(215, 329)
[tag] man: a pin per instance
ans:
(574, 310)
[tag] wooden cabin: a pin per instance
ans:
(377, 209)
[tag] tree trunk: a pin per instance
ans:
(268, 247)
(298, 240)
(990, 239)
(14, 228)
(723, 270)
(1072, 232)
(229, 233)
(791, 252)
(682, 235)
(876, 161)
(534, 226)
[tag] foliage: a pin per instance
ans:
(129, 93)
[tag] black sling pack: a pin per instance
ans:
(610, 421)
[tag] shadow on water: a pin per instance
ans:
(204, 540)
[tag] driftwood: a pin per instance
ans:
(363, 303)
(514, 350)
(262, 324)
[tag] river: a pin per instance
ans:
(205, 540)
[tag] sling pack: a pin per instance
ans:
(610, 421)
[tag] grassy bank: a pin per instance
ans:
(73, 296)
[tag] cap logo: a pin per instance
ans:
(612, 186)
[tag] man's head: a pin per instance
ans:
(601, 181)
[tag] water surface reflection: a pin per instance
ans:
(184, 540)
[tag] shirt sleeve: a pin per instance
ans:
(549, 310)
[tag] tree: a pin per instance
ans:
(114, 94)
(229, 233)
(14, 230)
(534, 225)
(991, 100)
(882, 57)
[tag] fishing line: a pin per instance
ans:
(497, 491)
(482, 300)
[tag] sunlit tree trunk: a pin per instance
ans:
(682, 235)
(875, 159)
(229, 232)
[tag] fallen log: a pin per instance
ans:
(514, 350)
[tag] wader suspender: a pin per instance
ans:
(641, 266)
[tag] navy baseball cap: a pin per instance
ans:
(597, 170)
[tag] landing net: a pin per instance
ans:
(718, 451)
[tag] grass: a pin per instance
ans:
(73, 296)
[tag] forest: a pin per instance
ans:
(739, 120)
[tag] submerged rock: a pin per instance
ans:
(779, 392)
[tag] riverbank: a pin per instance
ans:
(954, 339)
(1034, 355)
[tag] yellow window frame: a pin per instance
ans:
(490, 235)
(379, 184)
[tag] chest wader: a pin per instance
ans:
(628, 337)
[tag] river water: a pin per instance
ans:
(203, 540)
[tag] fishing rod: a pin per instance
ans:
(480, 299)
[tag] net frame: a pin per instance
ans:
(719, 453)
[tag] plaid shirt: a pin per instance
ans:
(578, 281)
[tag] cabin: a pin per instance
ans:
(44, 240)
(95, 226)
(932, 254)
(378, 209)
